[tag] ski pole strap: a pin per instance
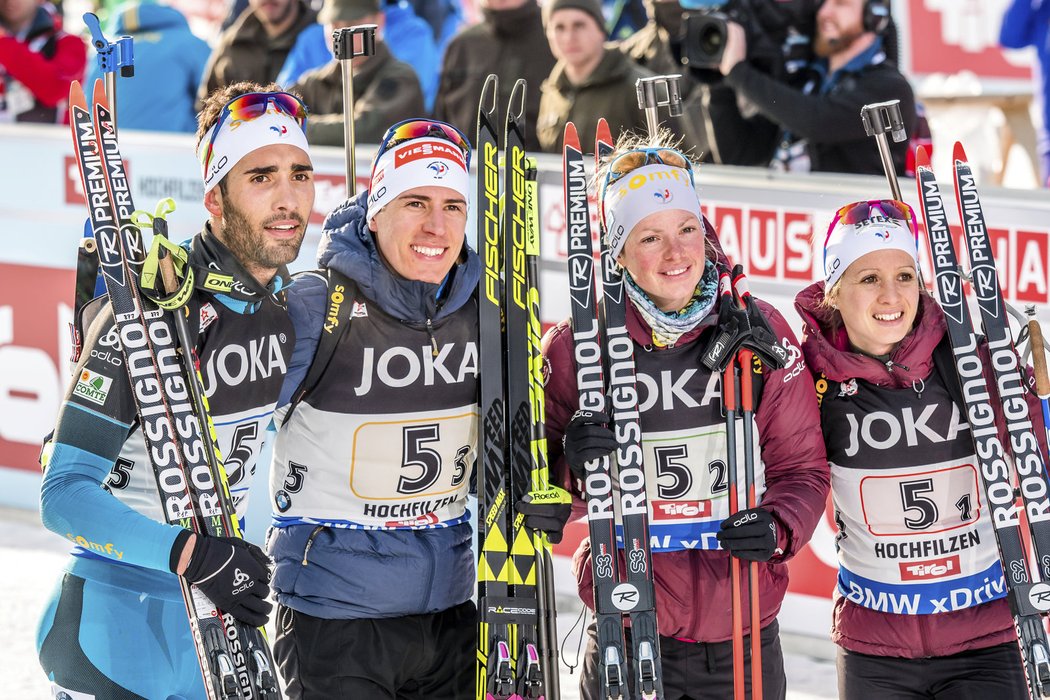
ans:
(152, 280)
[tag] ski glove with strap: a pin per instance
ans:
(234, 574)
(750, 534)
(546, 511)
(587, 437)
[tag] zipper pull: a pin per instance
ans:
(433, 340)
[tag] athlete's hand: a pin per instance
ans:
(735, 49)
(234, 574)
(587, 437)
(546, 511)
(750, 534)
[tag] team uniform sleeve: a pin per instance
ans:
(798, 477)
(561, 400)
(95, 420)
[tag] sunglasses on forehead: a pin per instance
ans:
(631, 160)
(253, 105)
(411, 129)
(859, 212)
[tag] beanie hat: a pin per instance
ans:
(346, 10)
(851, 238)
(591, 7)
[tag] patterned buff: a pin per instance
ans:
(641, 192)
(236, 139)
(417, 163)
(669, 327)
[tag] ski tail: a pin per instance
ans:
(1028, 600)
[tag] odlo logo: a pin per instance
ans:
(241, 581)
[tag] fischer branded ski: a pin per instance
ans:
(529, 673)
(1028, 599)
(235, 661)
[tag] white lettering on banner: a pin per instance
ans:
(973, 26)
(400, 367)
(30, 388)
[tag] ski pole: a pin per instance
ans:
(112, 56)
(1042, 378)
(745, 358)
(880, 119)
(649, 100)
(345, 50)
(731, 400)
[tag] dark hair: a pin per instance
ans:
(218, 98)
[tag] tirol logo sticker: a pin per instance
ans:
(93, 387)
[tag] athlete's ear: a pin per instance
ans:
(372, 226)
(213, 202)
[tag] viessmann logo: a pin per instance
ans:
(933, 568)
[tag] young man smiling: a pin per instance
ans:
(373, 460)
(116, 626)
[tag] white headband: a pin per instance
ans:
(847, 243)
(641, 192)
(236, 139)
(416, 163)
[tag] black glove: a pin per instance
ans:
(234, 574)
(750, 534)
(546, 511)
(587, 437)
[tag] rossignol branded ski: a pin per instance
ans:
(599, 491)
(604, 354)
(234, 658)
(1028, 599)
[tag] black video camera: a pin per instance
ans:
(778, 33)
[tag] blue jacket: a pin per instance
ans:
(169, 64)
(336, 573)
(408, 37)
(1027, 23)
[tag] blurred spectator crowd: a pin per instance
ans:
(761, 100)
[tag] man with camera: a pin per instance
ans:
(820, 126)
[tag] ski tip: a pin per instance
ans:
(603, 134)
(922, 157)
(958, 153)
(76, 94)
(572, 138)
(99, 95)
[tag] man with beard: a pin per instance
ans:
(820, 125)
(116, 626)
(256, 45)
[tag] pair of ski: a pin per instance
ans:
(235, 659)
(517, 640)
(605, 375)
(1029, 599)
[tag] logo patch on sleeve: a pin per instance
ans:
(93, 387)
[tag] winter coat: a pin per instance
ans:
(509, 43)
(1027, 23)
(37, 68)
(246, 52)
(386, 91)
(693, 597)
(345, 573)
(169, 65)
(607, 92)
(859, 628)
(826, 113)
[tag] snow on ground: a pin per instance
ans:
(31, 559)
